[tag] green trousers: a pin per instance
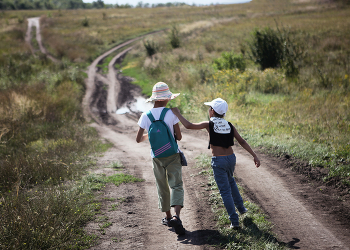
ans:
(168, 173)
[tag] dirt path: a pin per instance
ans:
(35, 21)
(305, 214)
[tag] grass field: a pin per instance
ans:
(44, 140)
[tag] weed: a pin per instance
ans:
(115, 239)
(174, 37)
(85, 22)
(109, 199)
(230, 60)
(118, 179)
(113, 207)
(117, 165)
(102, 218)
(151, 47)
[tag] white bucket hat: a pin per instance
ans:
(219, 105)
(161, 92)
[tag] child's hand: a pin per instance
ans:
(257, 162)
(175, 110)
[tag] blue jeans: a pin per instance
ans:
(223, 168)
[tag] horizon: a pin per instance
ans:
(189, 2)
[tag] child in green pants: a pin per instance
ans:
(167, 170)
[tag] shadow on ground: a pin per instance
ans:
(201, 237)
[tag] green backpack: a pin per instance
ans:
(162, 142)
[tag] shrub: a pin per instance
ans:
(267, 48)
(85, 22)
(230, 60)
(277, 48)
(293, 53)
(209, 47)
(174, 37)
(151, 47)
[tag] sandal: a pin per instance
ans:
(165, 221)
(177, 225)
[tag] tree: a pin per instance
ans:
(139, 4)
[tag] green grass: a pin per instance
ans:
(141, 79)
(100, 180)
(256, 230)
(116, 165)
(120, 178)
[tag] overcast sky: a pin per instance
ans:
(197, 2)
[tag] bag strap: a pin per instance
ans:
(162, 115)
(150, 116)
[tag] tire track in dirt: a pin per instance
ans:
(35, 22)
(88, 105)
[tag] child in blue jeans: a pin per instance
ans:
(221, 135)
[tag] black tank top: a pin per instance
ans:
(221, 140)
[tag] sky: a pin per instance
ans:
(190, 2)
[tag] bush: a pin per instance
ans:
(230, 60)
(174, 38)
(151, 47)
(267, 48)
(272, 49)
(85, 22)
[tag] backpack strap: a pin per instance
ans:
(162, 115)
(150, 116)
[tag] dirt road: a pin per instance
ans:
(35, 22)
(306, 214)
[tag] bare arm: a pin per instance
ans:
(178, 135)
(246, 146)
(140, 137)
(188, 124)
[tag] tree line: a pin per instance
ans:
(72, 4)
(49, 4)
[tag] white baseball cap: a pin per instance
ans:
(219, 105)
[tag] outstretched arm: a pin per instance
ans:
(246, 146)
(188, 124)
(140, 137)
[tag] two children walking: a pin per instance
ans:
(167, 170)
